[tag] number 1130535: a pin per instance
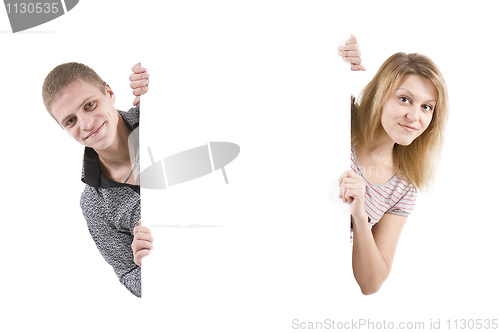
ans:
(32, 8)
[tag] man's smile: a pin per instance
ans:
(97, 130)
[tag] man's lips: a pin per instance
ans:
(98, 129)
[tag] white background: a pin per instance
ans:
(446, 264)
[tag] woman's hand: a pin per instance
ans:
(139, 81)
(350, 52)
(352, 190)
(142, 244)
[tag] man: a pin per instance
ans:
(83, 105)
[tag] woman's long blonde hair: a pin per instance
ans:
(417, 160)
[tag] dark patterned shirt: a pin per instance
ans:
(112, 211)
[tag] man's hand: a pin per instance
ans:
(139, 81)
(350, 52)
(142, 244)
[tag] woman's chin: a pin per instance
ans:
(404, 143)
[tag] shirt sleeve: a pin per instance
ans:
(405, 205)
(132, 116)
(105, 218)
(136, 110)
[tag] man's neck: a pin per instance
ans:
(116, 156)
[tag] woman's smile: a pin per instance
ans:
(408, 128)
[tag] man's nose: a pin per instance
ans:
(86, 121)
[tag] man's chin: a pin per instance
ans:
(97, 146)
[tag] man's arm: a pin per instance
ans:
(139, 81)
(103, 215)
(142, 244)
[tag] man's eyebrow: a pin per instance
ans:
(85, 101)
(66, 118)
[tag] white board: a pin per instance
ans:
(274, 241)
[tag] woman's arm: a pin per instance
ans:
(350, 53)
(374, 250)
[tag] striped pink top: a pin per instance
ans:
(396, 196)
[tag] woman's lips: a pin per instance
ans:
(408, 128)
(95, 132)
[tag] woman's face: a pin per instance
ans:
(408, 111)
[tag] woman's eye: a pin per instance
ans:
(404, 99)
(427, 107)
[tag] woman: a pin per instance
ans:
(396, 134)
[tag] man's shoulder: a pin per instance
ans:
(89, 195)
(132, 116)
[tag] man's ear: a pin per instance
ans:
(110, 92)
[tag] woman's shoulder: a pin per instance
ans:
(407, 185)
(407, 190)
(405, 196)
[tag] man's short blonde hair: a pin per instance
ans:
(65, 74)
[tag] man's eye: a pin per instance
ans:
(89, 105)
(70, 122)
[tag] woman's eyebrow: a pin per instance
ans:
(411, 95)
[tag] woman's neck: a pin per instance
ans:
(376, 159)
(381, 148)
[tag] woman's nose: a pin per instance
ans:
(413, 113)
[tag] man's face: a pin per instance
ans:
(88, 115)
